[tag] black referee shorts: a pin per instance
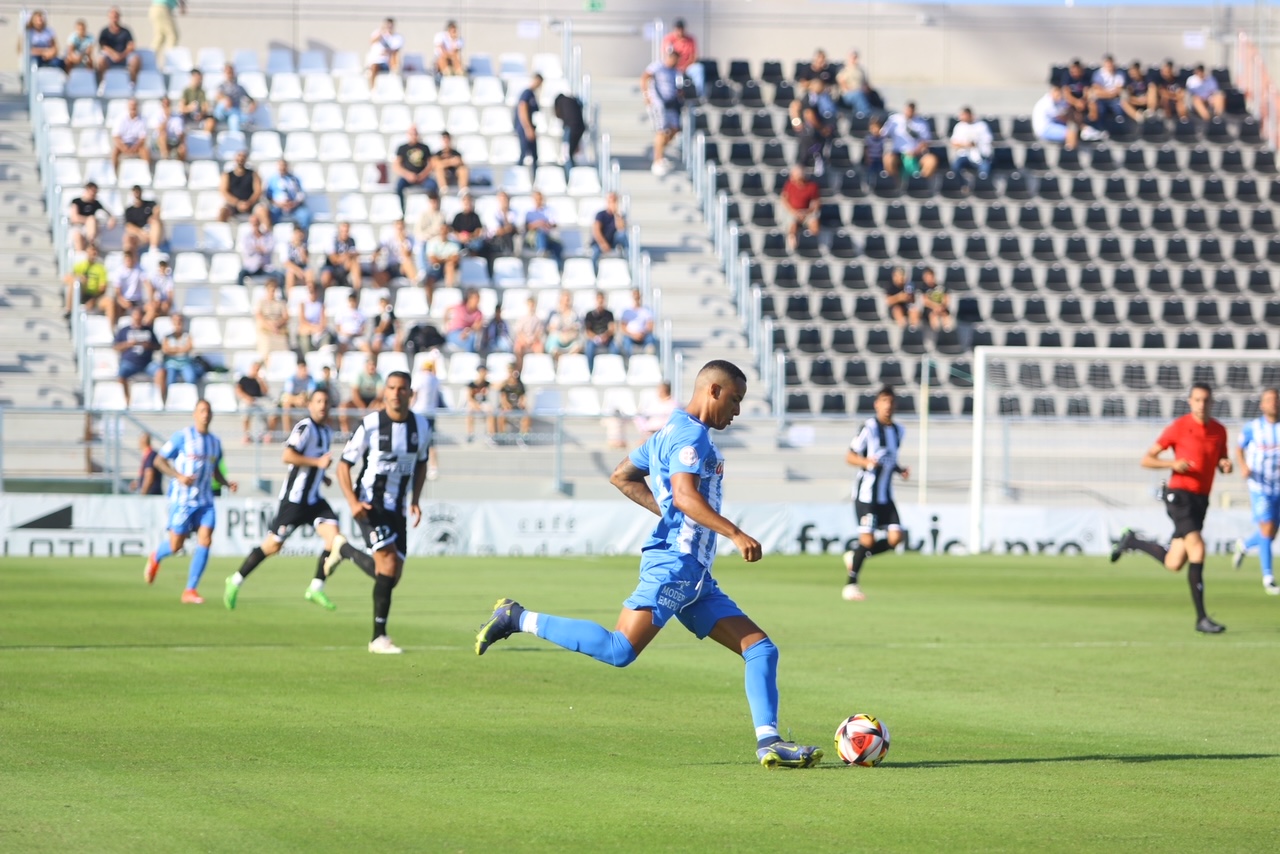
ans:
(1187, 510)
(382, 528)
(875, 517)
(290, 516)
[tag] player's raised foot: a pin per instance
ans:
(1209, 627)
(503, 624)
(335, 555)
(382, 645)
(191, 597)
(852, 593)
(150, 570)
(1124, 544)
(1238, 552)
(1269, 585)
(230, 592)
(787, 754)
(320, 598)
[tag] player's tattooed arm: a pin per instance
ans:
(631, 482)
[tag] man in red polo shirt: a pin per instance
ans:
(800, 196)
(1199, 445)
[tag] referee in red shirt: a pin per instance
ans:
(1199, 445)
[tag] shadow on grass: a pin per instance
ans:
(1035, 760)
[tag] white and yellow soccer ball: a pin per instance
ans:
(862, 740)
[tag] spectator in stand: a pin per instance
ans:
(90, 274)
(83, 216)
(383, 336)
(478, 391)
(160, 289)
(568, 110)
(241, 189)
(608, 231)
(271, 317)
(1051, 120)
(142, 222)
(1207, 98)
(116, 48)
(467, 229)
(512, 402)
(936, 301)
(972, 143)
(853, 85)
(820, 69)
(530, 333)
(801, 197)
(1140, 96)
(540, 229)
(137, 345)
(443, 259)
(685, 47)
(80, 47)
(503, 230)
(660, 85)
(232, 106)
(522, 118)
(195, 103)
(128, 287)
(285, 198)
(449, 168)
(325, 381)
(252, 393)
(900, 298)
(129, 137)
(909, 137)
(366, 394)
(258, 249)
(313, 323)
(599, 327)
(448, 52)
(429, 222)
(426, 401)
(496, 337)
(637, 328)
(564, 329)
(171, 132)
(149, 480)
(349, 327)
(412, 165)
(813, 119)
(1104, 94)
(1076, 90)
(164, 29)
(295, 393)
(42, 42)
(342, 265)
(394, 259)
(385, 46)
(1170, 92)
(296, 260)
(465, 328)
(655, 417)
(180, 363)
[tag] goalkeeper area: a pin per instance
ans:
(1033, 702)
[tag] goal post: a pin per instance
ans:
(1066, 427)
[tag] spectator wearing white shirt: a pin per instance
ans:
(257, 248)
(384, 50)
(1049, 119)
(908, 137)
(637, 328)
(1207, 98)
(129, 137)
(448, 45)
(349, 326)
(426, 402)
(171, 132)
(160, 289)
(129, 288)
(1108, 86)
(972, 143)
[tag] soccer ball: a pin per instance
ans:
(862, 740)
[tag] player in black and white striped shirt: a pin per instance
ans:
(306, 453)
(875, 453)
(390, 447)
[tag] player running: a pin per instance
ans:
(875, 453)
(675, 563)
(1199, 445)
(1259, 458)
(192, 461)
(306, 453)
(390, 446)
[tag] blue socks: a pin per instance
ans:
(1263, 545)
(762, 690)
(163, 550)
(587, 638)
(199, 559)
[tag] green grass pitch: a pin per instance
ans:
(1055, 704)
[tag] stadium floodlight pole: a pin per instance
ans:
(979, 458)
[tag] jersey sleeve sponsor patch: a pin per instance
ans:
(688, 456)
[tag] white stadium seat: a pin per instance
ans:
(300, 146)
(285, 87)
(181, 397)
(420, 89)
(572, 369)
(108, 396)
(644, 370)
(203, 175)
(618, 401)
(453, 91)
(170, 175)
(608, 370)
(334, 147)
(387, 89)
(582, 401)
(313, 62)
(462, 367)
(318, 88)
(614, 273)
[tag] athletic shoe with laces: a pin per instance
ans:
(382, 645)
(318, 596)
(788, 754)
(150, 570)
(1126, 542)
(191, 597)
(1238, 552)
(1209, 627)
(852, 593)
(230, 592)
(335, 555)
(1269, 585)
(504, 623)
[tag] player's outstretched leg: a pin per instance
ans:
(1195, 579)
(315, 592)
(232, 589)
(1131, 542)
(761, 678)
(341, 550)
(853, 561)
(161, 552)
(582, 636)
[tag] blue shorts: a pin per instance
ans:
(189, 519)
(1266, 508)
(677, 586)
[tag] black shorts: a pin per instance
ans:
(1187, 510)
(875, 517)
(291, 516)
(382, 528)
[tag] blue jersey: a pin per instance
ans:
(198, 455)
(1260, 441)
(683, 445)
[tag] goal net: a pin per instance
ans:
(1066, 428)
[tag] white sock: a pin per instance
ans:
(316, 584)
(1268, 580)
(237, 579)
(766, 732)
(529, 622)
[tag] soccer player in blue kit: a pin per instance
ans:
(675, 563)
(1258, 456)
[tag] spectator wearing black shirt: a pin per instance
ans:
(342, 265)
(522, 118)
(116, 48)
(382, 336)
(1139, 94)
(449, 168)
(241, 189)
(900, 297)
(478, 391)
(142, 222)
(1171, 92)
(936, 301)
(137, 346)
(467, 229)
(83, 216)
(511, 402)
(813, 120)
(412, 165)
(568, 110)
(598, 327)
(496, 335)
(1075, 88)
(149, 481)
(608, 231)
(252, 393)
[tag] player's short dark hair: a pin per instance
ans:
(886, 391)
(1205, 387)
(1270, 390)
(404, 375)
(316, 391)
(729, 369)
